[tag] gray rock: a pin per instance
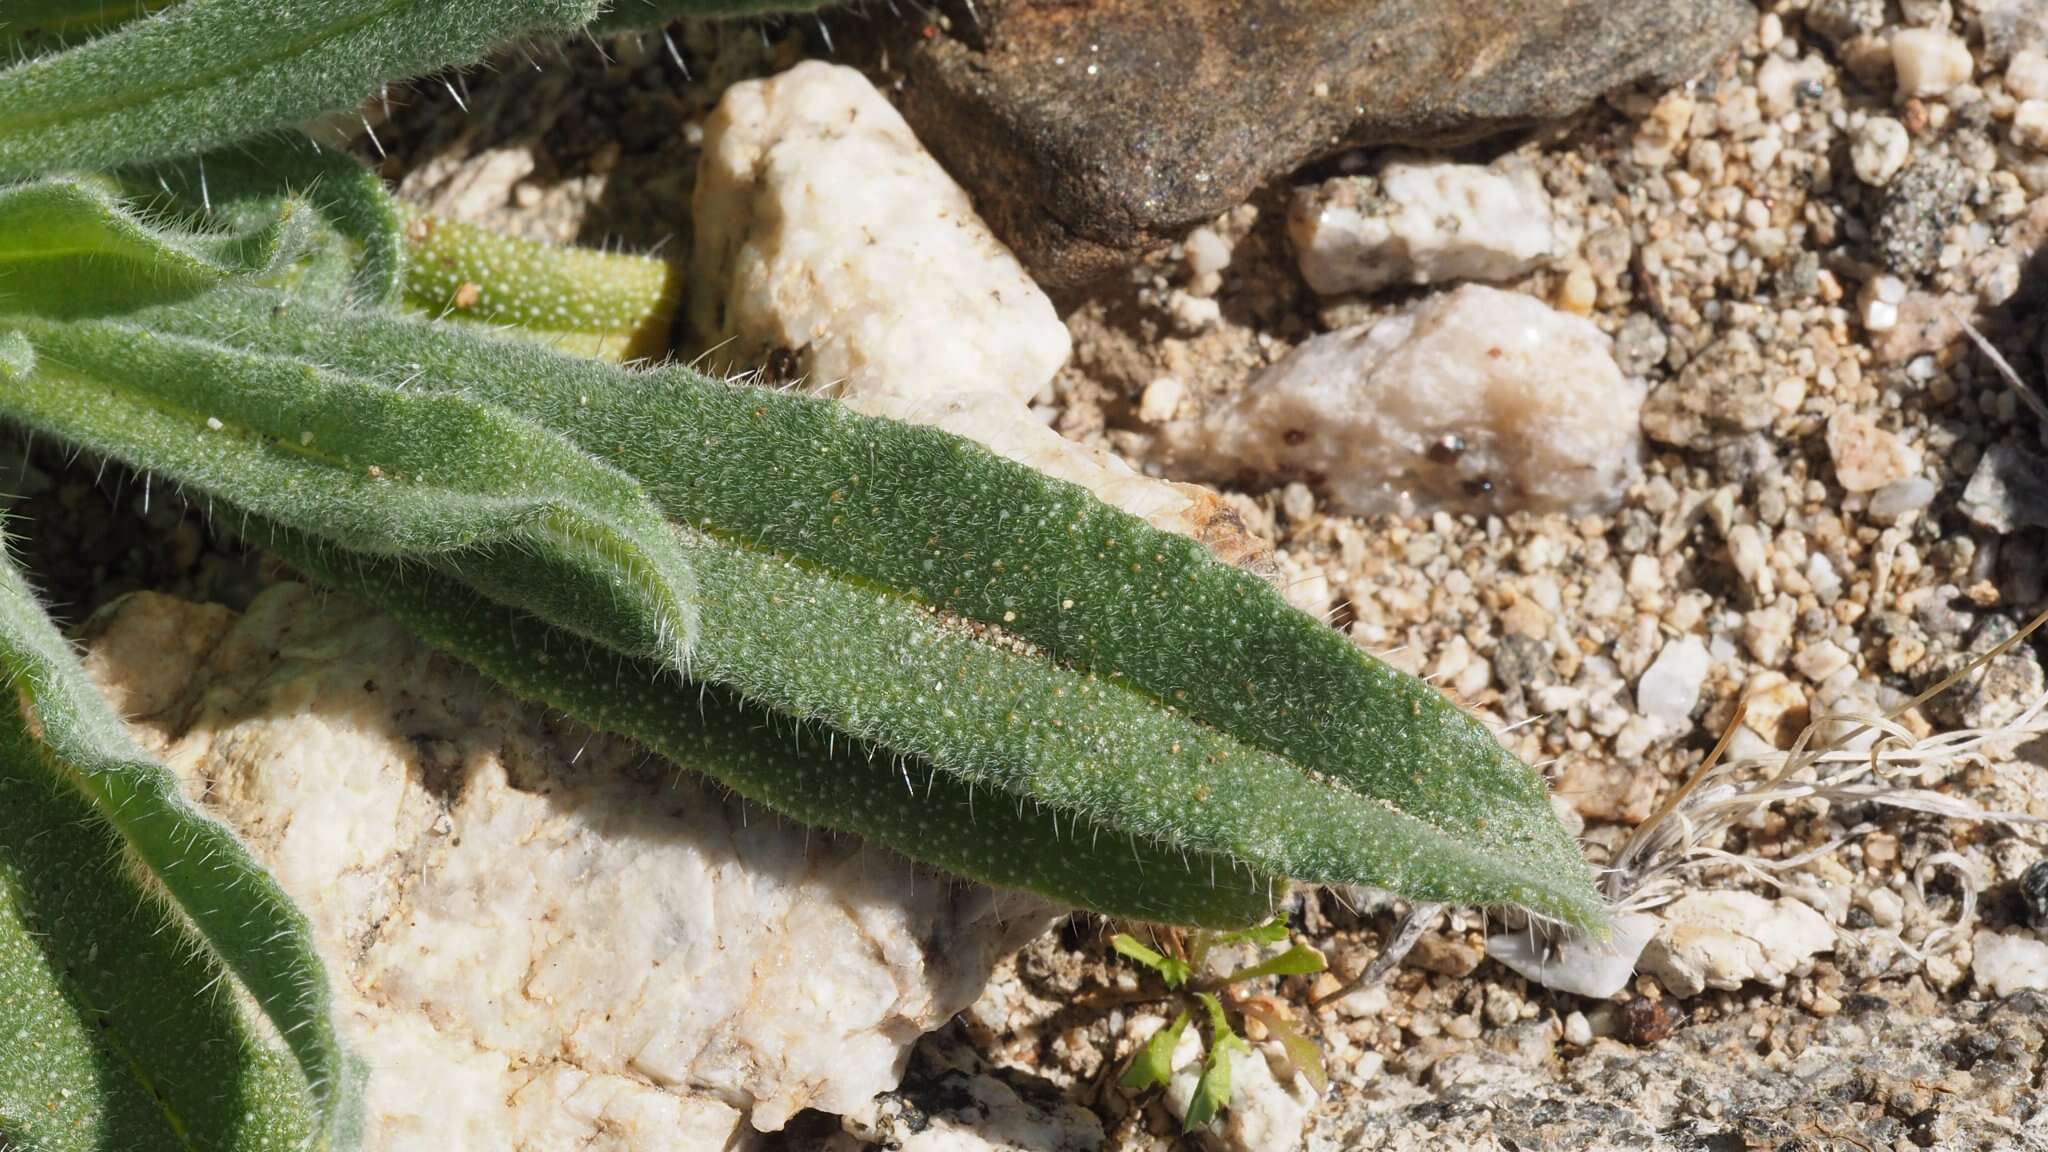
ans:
(953, 1100)
(1919, 205)
(1862, 1076)
(1089, 130)
(2034, 893)
(1723, 393)
(1839, 20)
(2009, 489)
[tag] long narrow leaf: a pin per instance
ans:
(70, 247)
(914, 590)
(209, 72)
(120, 857)
(429, 475)
(804, 771)
(32, 27)
(357, 257)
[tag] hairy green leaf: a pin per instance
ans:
(71, 247)
(356, 255)
(209, 72)
(434, 475)
(127, 905)
(1153, 1065)
(32, 27)
(911, 589)
(805, 771)
(622, 15)
(607, 305)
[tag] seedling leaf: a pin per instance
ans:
(1153, 1065)
(1171, 969)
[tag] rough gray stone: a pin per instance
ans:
(1050, 111)
(2009, 489)
(1919, 205)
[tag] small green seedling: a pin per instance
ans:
(1217, 1001)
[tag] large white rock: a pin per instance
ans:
(1420, 222)
(541, 938)
(1475, 399)
(824, 231)
(1722, 939)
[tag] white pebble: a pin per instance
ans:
(1576, 964)
(1878, 149)
(1879, 302)
(2030, 125)
(1420, 222)
(2026, 75)
(1475, 398)
(822, 226)
(1578, 1031)
(2005, 963)
(1901, 497)
(1866, 456)
(1820, 660)
(1746, 549)
(1929, 61)
(1668, 690)
(1161, 400)
(1779, 82)
(1887, 908)
(1721, 939)
(1207, 254)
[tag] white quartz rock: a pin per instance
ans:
(824, 228)
(826, 232)
(1475, 399)
(2006, 963)
(1420, 222)
(1574, 963)
(1264, 1115)
(1722, 939)
(1669, 688)
(539, 937)
(1866, 456)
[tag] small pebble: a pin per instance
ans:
(1887, 909)
(1866, 456)
(1879, 149)
(2006, 963)
(2026, 75)
(1667, 692)
(1161, 400)
(2030, 125)
(1821, 660)
(1578, 1031)
(1208, 254)
(1929, 62)
(2034, 893)
(1901, 497)
(1879, 302)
